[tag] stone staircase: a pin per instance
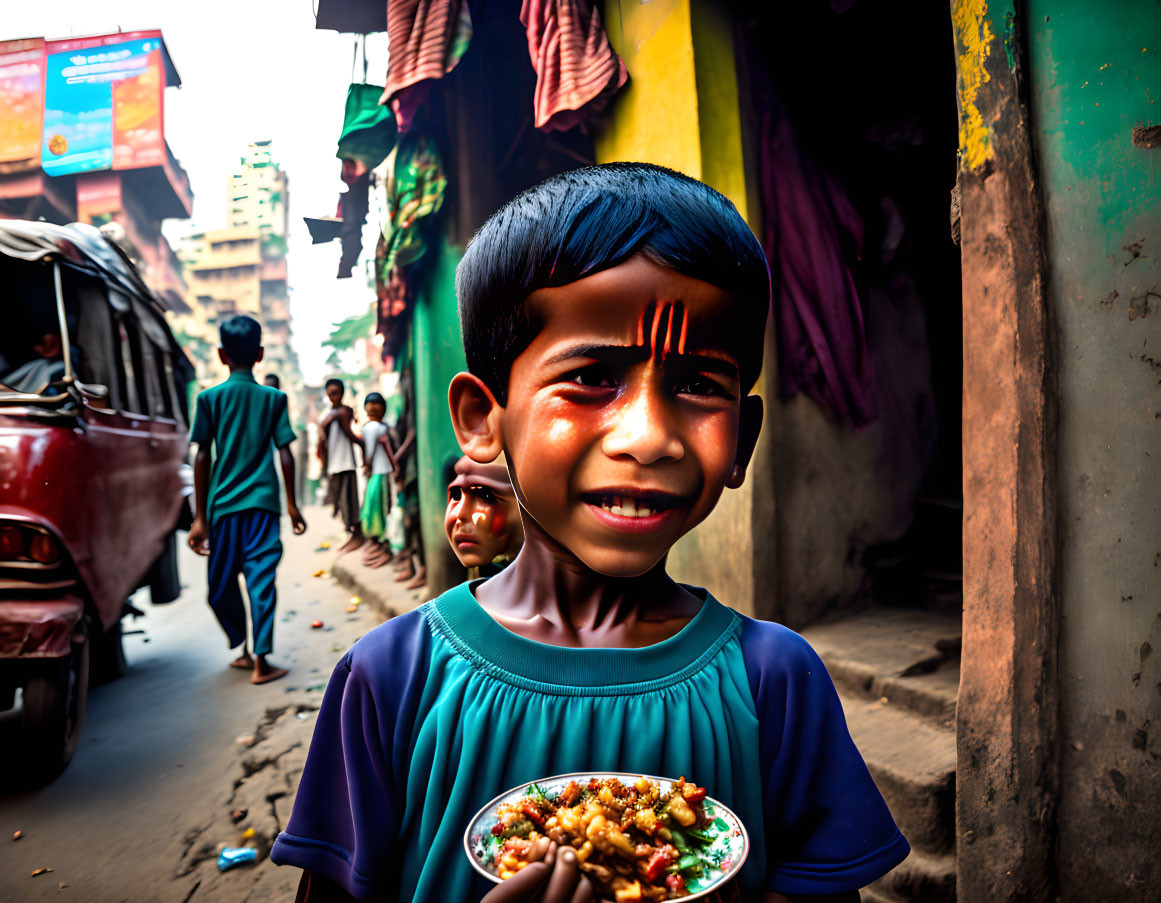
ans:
(897, 674)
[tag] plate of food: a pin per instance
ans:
(637, 837)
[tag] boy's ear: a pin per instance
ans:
(261, 352)
(749, 425)
(475, 415)
(223, 357)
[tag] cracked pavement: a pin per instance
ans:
(160, 777)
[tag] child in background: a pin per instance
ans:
(379, 463)
(238, 508)
(613, 320)
(337, 452)
(411, 570)
(482, 521)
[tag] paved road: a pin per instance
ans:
(158, 749)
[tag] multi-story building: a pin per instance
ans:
(241, 269)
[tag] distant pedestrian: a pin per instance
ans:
(337, 451)
(272, 380)
(238, 510)
(379, 463)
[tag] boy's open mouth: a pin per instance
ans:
(633, 510)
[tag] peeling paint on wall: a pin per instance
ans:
(973, 34)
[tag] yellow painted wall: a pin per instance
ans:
(680, 109)
(655, 116)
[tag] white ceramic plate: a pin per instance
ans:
(722, 859)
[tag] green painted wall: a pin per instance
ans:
(438, 354)
(1096, 73)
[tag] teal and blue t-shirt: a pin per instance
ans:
(436, 712)
(242, 419)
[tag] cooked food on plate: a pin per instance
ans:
(636, 841)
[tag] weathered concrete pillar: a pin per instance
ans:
(1007, 715)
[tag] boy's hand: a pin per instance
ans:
(199, 537)
(297, 521)
(557, 879)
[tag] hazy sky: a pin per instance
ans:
(250, 69)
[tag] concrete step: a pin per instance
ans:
(920, 878)
(909, 656)
(912, 760)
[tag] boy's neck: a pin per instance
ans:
(549, 595)
(238, 368)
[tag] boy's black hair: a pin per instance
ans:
(374, 398)
(582, 222)
(241, 338)
(335, 382)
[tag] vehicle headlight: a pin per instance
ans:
(12, 544)
(44, 548)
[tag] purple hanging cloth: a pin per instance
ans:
(812, 231)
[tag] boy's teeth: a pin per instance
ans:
(625, 506)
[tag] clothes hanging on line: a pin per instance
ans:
(577, 71)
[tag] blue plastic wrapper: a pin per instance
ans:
(231, 857)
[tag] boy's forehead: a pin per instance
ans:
(491, 476)
(635, 303)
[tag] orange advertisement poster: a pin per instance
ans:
(21, 100)
(137, 118)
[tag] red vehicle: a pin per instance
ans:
(93, 430)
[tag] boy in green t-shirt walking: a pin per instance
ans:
(237, 500)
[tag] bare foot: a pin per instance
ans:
(405, 574)
(351, 544)
(418, 581)
(243, 661)
(264, 672)
(376, 557)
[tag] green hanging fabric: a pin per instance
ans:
(415, 192)
(368, 129)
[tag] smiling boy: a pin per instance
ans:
(613, 321)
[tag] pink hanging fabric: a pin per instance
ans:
(426, 39)
(577, 71)
(812, 231)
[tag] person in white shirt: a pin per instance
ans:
(337, 452)
(379, 464)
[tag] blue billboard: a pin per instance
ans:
(103, 105)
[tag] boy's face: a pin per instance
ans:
(334, 395)
(624, 413)
(482, 518)
(375, 410)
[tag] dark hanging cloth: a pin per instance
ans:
(577, 71)
(426, 38)
(353, 204)
(812, 232)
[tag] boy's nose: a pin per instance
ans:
(643, 427)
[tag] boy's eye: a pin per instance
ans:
(485, 495)
(593, 377)
(697, 385)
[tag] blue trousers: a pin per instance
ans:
(245, 543)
